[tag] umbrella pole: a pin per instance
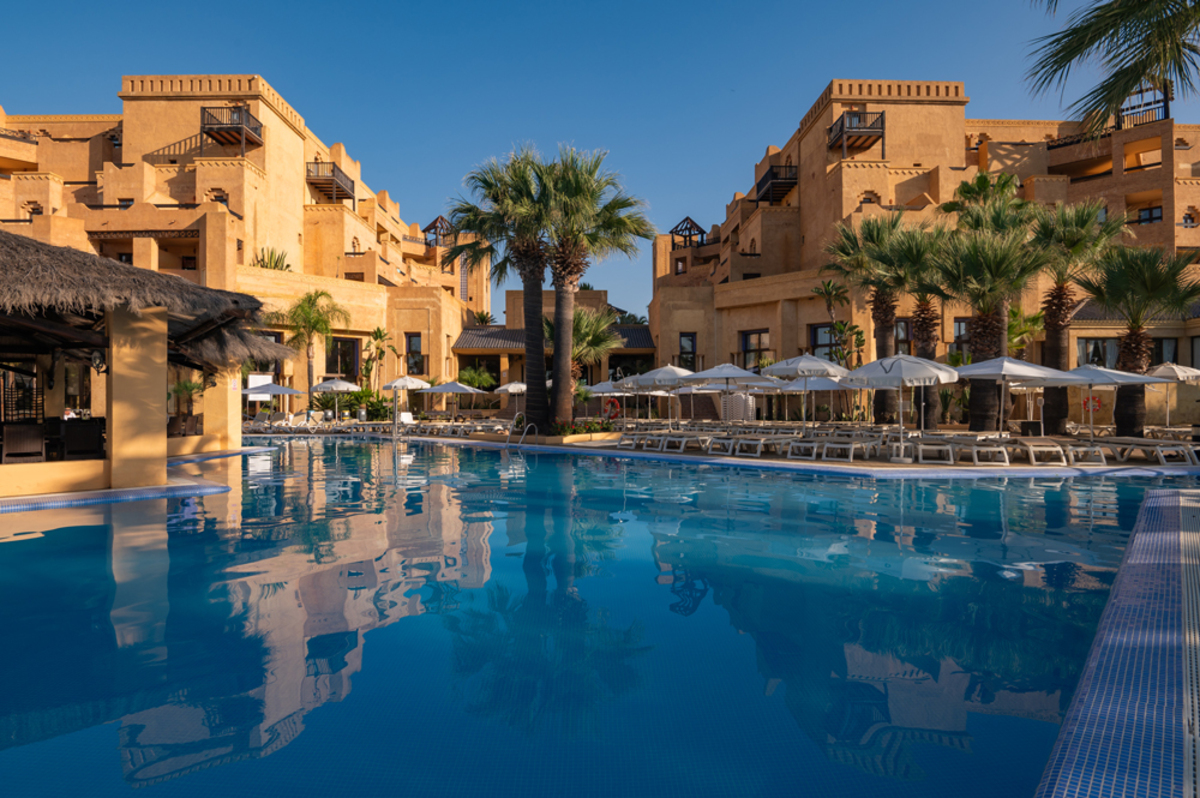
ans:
(1168, 405)
(1092, 412)
(395, 413)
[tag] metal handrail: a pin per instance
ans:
(508, 440)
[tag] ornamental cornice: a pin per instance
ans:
(900, 171)
(1187, 181)
(1016, 122)
(33, 118)
(229, 163)
(49, 177)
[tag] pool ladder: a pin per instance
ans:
(524, 432)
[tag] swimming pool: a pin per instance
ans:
(374, 619)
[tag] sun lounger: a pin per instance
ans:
(804, 448)
(679, 441)
(754, 445)
(934, 451)
(993, 450)
(1032, 448)
(1085, 454)
(841, 450)
(1123, 448)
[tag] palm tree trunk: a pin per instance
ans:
(925, 323)
(1056, 354)
(1133, 355)
(986, 332)
(883, 314)
(564, 317)
(536, 407)
(312, 358)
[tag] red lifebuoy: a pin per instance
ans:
(612, 408)
(1091, 403)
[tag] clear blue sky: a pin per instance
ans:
(685, 96)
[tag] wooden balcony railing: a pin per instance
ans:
(230, 124)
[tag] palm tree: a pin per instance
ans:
(377, 346)
(985, 270)
(1139, 285)
(834, 295)
(507, 225)
(909, 255)
(983, 189)
(593, 219)
(1134, 45)
(592, 340)
(1023, 329)
(625, 317)
(484, 318)
(272, 259)
(312, 316)
(476, 377)
(852, 259)
(1076, 237)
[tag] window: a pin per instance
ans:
(680, 265)
(1098, 352)
(125, 257)
(687, 351)
(751, 275)
(1149, 215)
(821, 336)
(188, 263)
(755, 344)
(1164, 351)
(1196, 350)
(414, 361)
(269, 366)
(1189, 220)
(78, 386)
(753, 246)
(961, 339)
(903, 337)
(124, 203)
(341, 357)
(1103, 215)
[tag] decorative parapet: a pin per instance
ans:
(229, 87)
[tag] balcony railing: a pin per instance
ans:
(328, 178)
(230, 124)
(692, 242)
(1130, 117)
(775, 184)
(857, 130)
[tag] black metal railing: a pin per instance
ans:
(692, 242)
(1130, 117)
(17, 135)
(862, 123)
(775, 183)
(1085, 178)
(331, 174)
(230, 116)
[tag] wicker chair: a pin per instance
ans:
(23, 443)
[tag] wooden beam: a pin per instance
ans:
(52, 328)
(210, 325)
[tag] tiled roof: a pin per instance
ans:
(1093, 312)
(636, 336)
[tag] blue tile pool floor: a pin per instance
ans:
(361, 619)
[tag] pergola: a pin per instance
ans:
(60, 305)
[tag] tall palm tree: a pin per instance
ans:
(593, 218)
(985, 270)
(506, 225)
(1132, 44)
(592, 339)
(1139, 285)
(484, 318)
(984, 188)
(851, 252)
(1076, 238)
(310, 317)
(909, 254)
(1023, 329)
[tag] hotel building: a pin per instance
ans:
(739, 288)
(201, 175)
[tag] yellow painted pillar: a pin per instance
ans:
(223, 409)
(137, 398)
(504, 379)
(145, 253)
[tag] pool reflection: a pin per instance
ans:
(885, 614)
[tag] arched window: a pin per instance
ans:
(868, 198)
(753, 246)
(787, 161)
(355, 246)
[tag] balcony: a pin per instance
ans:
(17, 135)
(856, 131)
(775, 184)
(328, 178)
(230, 124)
(1145, 106)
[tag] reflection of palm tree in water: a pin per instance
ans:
(540, 658)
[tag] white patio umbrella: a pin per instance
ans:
(1095, 377)
(1175, 373)
(610, 389)
(1007, 370)
(803, 367)
(513, 389)
(805, 384)
(664, 377)
(271, 389)
(397, 385)
(899, 372)
(454, 388)
(335, 386)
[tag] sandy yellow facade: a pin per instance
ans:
(741, 289)
(201, 174)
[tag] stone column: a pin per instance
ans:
(137, 398)
(145, 253)
(504, 379)
(223, 409)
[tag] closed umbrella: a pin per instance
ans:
(335, 386)
(1175, 373)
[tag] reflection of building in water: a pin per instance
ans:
(204, 662)
(877, 657)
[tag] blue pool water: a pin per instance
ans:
(358, 619)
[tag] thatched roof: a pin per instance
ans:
(208, 326)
